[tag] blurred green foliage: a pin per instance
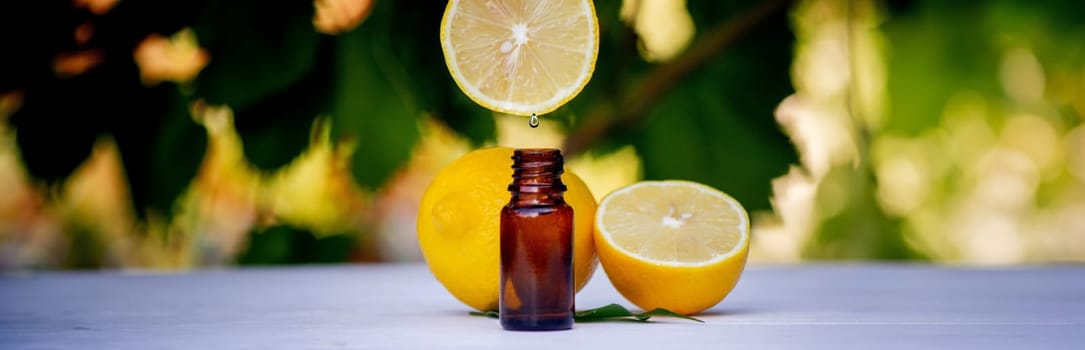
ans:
(281, 244)
(715, 125)
(939, 56)
(376, 83)
(713, 122)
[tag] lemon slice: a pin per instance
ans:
(520, 57)
(678, 245)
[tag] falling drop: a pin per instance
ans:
(534, 121)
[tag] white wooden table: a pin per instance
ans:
(402, 306)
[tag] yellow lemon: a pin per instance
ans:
(459, 223)
(678, 245)
(520, 56)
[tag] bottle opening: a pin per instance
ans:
(537, 170)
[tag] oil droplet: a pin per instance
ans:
(534, 121)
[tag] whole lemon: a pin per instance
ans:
(459, 225)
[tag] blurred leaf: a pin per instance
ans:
(463, 115)
(938, 49)
(256, 49)
(163, 151)
(51, 153)
(717, 127)
(270, 144)
(288, 245)
(490, 314)
(390, 71)
(419, 50)
(617, 60)
(272, 68)
(129, 22)
(931, 58)
(178, 152)
(87, 250)
(32, 32)
(160, 145)
(856, 228)
(269, 246)
(373, 100)
(276, 129)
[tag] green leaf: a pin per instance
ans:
(416, 45)
(55, 138)
(615, 311)
(268, 64)
(714, 125)
(373, 101)
(860, 230)
(284, 244)
(32, 33)
(609, 312)
(160, 145)
(939, 50)
(667, 313)
(936, 54)
(490, 314)
(276, 129)
(256, 49)
(618, 49)
(162, 149)
(718, 126)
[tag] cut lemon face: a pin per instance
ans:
(678, 245)
(520, 56)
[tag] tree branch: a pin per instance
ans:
(605, 117)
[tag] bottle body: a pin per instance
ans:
(537, 246)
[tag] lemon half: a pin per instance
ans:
(678, 245)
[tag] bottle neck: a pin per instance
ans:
(536, 177)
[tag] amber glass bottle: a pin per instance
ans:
(537, 245)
